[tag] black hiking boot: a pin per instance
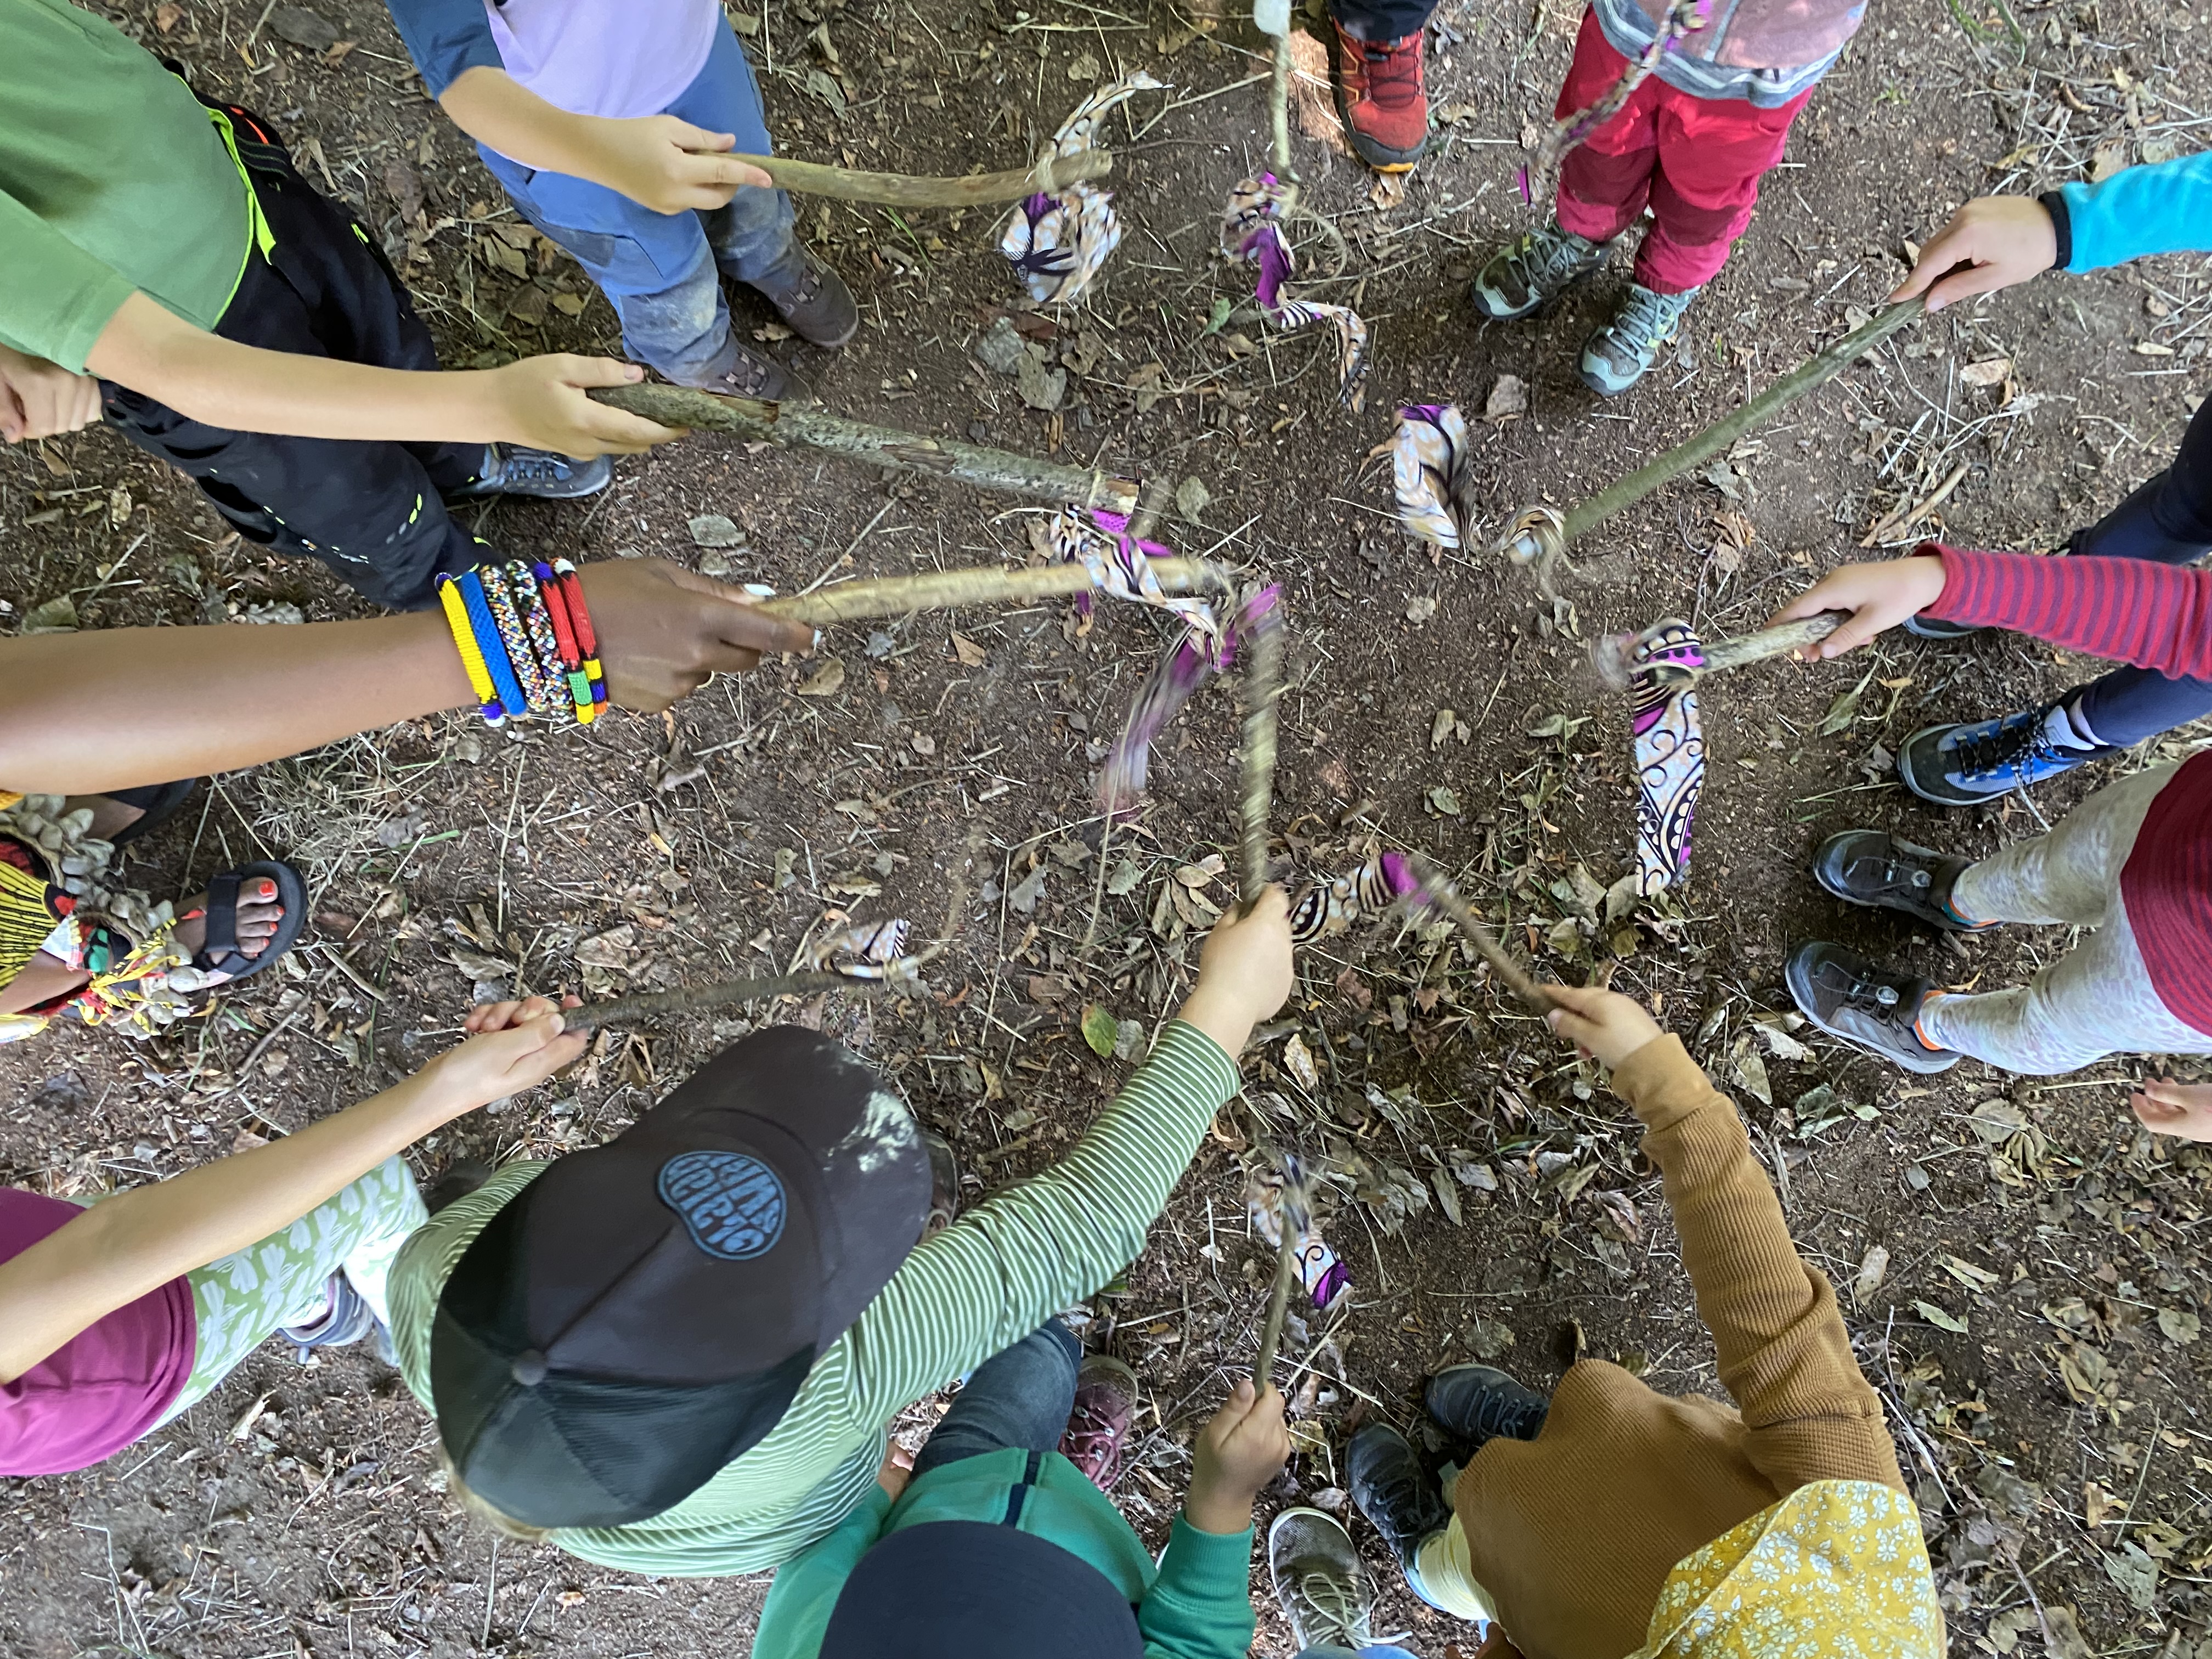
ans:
(1394, 1490)
(1873, 867)
(1477, 1404)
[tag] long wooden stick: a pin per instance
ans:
(1293, 1214)
(1540, 536)
(693, 999)
(1053, 173)
(1263, 688)
(937, 590)
(796, 426)
(1611, 654)
(1441, 893)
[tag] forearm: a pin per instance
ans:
(242, 388)
(2132, 610)
(2164, 208)
(126, 1246)
(499, 111)
(113, 709)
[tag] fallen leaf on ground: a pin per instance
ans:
(826, 681)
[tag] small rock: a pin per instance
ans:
(714, 530)
(999, 347)
(1508, 400)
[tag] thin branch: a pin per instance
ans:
(1054, 173)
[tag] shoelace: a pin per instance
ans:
(2008, 749)
(529, 465)
(1091, 1442)
(1894, 873)
(1884, 999)
(1508, 1418)
(1335, 1603)
(1645, 318)
(1394, 69)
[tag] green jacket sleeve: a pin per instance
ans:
(1000, 1271)
(55, 298)
(806, 1588)
(1200, 1605)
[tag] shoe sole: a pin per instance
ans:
(1938, 630)
(1793, 974)
(1939, 793)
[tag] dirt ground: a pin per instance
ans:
(2036, 1333)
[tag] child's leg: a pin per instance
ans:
(239, 1300)
(1021, 1396)
(1713, 154)
(752, 237)
(2070, 875)
(1606, 180)
(2097, 1000)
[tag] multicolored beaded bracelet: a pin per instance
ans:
(525, 639)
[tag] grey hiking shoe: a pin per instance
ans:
(1872, 866)
(818, 307)
(1864, 1003)
(1618, 355)
(1935, 628)
(1480, 1403)
(755, 374)
(517, 470)
(346, 1318)
(1318, 1584)
(1522, 275)
(943, 1184)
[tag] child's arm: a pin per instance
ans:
(999, 1271)
(1784, 1354)
(1200, 1605)
(39, 399)
(2131, 611)
(535, 401)
(805, 1589)
(124, 1247)
(74, 718)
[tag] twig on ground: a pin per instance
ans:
(696, 998)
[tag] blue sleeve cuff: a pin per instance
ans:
(446, 39)
(2161, 207)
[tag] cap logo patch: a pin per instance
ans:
(732, 1203)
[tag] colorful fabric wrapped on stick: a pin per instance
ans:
(1058, 243)
(1430, 474)
(1252, 231)
(1669, 748)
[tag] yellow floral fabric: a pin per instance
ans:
(1837, 1570)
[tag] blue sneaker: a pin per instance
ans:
(1966, 765)
(346, 1318)
(516, 470)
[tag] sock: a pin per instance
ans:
(2066, 728)
(1926, 1042)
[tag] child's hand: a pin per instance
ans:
(1878, 596)
(1240, 1451)
(2006, 239)
(664, 631)
(511, 1045)
(1601, 1022)
(1244, 972)
(671, 165)
(39, 399)
(540, 401)
(2183, 1110)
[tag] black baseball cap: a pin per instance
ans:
(973, 1589)
(642, 1313)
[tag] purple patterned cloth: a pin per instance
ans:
(1252, 231)
(1331, 907)
(1669, 748)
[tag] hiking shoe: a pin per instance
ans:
(1480, 1403)
(1395, 1490)
(1524, 274)
(1866, 1004)
(1380, 94)
(1872, 866)
(1935, 628)
(1098, 1427)
(818, 307)
(346, 1318)
(755, 374)
(1965, 765)
(1318, 1583)
(943, 1184)
(1618, 356)
(518, 470)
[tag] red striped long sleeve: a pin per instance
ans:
(2131, 611)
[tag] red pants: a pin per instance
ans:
(1696, 161)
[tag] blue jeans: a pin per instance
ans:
(2168, 519)
(663, 271)
(1021, 1396)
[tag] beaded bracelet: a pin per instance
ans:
(525, 639)
(472, 660)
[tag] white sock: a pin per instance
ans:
(2066, 728)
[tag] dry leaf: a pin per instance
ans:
(1873, 1267)
(1508, 400)
(1298, 1060)
(1388, 191)
(971, 654)
(1990, 371)
(826, 681)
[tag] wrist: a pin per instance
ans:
(1220, 1013)
(1206, 1510)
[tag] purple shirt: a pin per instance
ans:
(106, 1386)
(620, 59)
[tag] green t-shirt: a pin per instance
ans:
(112, 177)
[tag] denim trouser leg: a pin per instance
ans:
(1382, 20)
(2169, 520)
(752, 236)
(1021, 1396)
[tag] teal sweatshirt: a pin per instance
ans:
(2164, 208)
(1196, 1604)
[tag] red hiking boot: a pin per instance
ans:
(1105, 1406)
(1380, 96)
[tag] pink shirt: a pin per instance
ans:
(106, 1386)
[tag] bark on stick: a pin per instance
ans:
(1053, 173)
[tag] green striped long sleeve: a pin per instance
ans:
(987, 1280)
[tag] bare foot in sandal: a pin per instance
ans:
(44, 977)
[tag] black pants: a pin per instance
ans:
(369, 511)
(2169, 520)
(1382, 20)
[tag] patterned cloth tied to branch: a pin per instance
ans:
(1430, 474)
(1252, 231)
(1058, 243)
(1329, 908)
(1670, 748)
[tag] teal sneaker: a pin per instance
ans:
(1619, 354)
(1522, 275)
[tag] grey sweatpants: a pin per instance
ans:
(2097, 999)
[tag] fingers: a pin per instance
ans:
(1862, 626)
(576, 370)
(682, 134)
(14, 427)
(1965, 284)
(746, 626)
(720, 170)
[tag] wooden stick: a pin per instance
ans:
(796, 426)
(937, 590)
(695, 998)
(1611, 654)
(1293, 1214)
(1905, 516)
(1263, 687)
(1540, 536)
(1053, 173)
(1442, 894)
(1279, 123)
